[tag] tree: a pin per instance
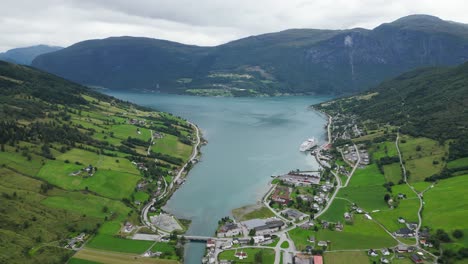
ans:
(387, 197)
(105, 209)
(457, 233)
(252, 232)
(252, 241)
(442, 236)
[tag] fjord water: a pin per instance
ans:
(249, 139)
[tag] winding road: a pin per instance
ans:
(168, 188)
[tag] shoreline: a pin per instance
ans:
(170, 189)
(290, 224)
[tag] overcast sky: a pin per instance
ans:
(201, 22)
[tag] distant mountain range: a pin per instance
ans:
(295, 61)
(26, 55)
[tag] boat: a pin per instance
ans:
(307, 145)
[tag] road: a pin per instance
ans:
(421, 202)
(339, 184)
(168, 188)
(194, 155)
(265, 202)
(419, 195)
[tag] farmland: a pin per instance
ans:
(336, 211)
(446, 205)
(108, 183)
(171, 145)
(355, 257)
(111, 243)
(91, 256)
(267, 255)
(71, 160)
(422, 156)
(362, 234)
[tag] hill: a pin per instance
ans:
(26, 55)
(410, 138)
(73, 161)
(429, 102)
(292, 61)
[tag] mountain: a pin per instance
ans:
(292, 61)
(26, 55)
(68, 173)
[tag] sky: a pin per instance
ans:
(200, 22)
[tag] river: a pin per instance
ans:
(249, 139)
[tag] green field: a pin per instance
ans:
(367, 197)
(366, 189)
(109, 183)
(164, 247)
(112, 243)
(110, 228)
(41, 223)
(109, 257)
(141, 196)
(127, 130)
(81, 261)
(393, 173)
(268, 255)
(384, 149)
(446, 206)
(463, 162)
(368, 176)
(335, 212)
(285, 244)
(87, 204)
(251, 212)
(407, 209)
(362, 234)
(99, 161)
(20, 163)
(171, 145)
(419, 163)
(354, 257)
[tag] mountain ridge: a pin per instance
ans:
(26, 55)
(294, 61)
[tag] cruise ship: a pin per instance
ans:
(308, 144)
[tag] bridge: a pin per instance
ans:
(203, 238)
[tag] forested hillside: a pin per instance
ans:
(73, 161)
(295, 61)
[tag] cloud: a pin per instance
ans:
(203, 22)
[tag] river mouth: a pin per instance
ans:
(249, 139)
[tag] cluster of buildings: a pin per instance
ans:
(263, 226)
(140, 165)
(408, 231)
(134, 121)
(307, 259)
(72, 243)
(211, 252)
(128, 227)
(229, 229)
(157, 135)
(351, 155)
(282, 195)
(298, 178)
(294, 214)
(90, 170)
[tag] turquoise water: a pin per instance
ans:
(250, 139)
